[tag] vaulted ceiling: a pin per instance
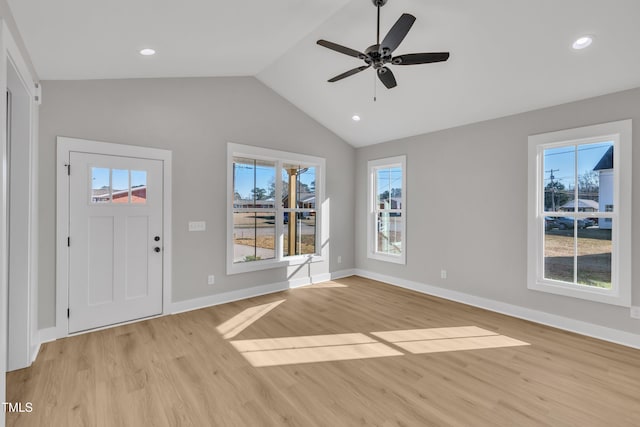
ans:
(507, 56)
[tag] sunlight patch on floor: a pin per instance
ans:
(420, 341)
(246, 318)
(324, 285)
(309, 349)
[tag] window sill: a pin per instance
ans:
(396, 259)
(248, 267)
(601, 295)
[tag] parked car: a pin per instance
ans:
(550, 223)
(567, 223)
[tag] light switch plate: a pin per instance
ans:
(197, 226)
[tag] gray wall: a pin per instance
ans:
(466, 207)
(194, 118)
(5, 13)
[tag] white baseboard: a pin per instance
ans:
(584, 328)
(225, 297)
(48, 334)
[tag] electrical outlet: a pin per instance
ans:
(211, 280)
(635, 312)
(443, 274)
(339, 259)
(197, 226)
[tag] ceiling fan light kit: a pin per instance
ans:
(380, 54)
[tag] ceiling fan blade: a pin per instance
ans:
(341, 49)
(386, 77)
(348, 73)
(420, 58)
(397, 33)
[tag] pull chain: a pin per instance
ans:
(375, 86)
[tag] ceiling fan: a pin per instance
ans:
(379, 54)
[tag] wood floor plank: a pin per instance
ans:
(181, 371)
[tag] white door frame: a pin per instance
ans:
(65, 147)
(23, 315)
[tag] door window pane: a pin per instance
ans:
(120, 185)
(253, 236)
(100, 185)
(594, 257)
(138, 187)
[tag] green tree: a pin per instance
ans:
(555, 195)
(259, 193)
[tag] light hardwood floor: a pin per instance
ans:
(181, 371)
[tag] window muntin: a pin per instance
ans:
(387, 226)
(579, 241)
(274, 217)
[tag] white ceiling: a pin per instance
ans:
(507, 56)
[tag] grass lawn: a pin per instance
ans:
(593, 261)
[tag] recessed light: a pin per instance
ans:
(355, 118)
(147, 52)
(582, 42)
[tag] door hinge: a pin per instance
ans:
(68, 311)
(68, 166)
(38, 95)
(68, 241)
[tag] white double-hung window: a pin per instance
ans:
(274, 208)
(579, 219)
(386, 224)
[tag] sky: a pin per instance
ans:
(562, 161)
(120, 178)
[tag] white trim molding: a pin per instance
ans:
(65, 147)
(583, 328)
(373, 208)
(619, 134)
(321, 211)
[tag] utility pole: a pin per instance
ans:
(553, 188)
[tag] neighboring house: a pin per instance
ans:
(584, 205)
(605, 192)
(102, 195)
(252, 204)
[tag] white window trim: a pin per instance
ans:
(620, 133)
(373, 165)
(280, 157)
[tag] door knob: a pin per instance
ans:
(157, 238)
(157, 249)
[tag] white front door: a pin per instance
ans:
(115, 239)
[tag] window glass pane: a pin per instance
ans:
(389, 233)
(100, 185)
(302, 231)
(139, 187)
(383, 181)
(594, 257)
(559, 249)
(120, 184)
(595, 176)
(305, 186)
(252, 180)
(389, 188)
(253, 236)
(559, 179)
